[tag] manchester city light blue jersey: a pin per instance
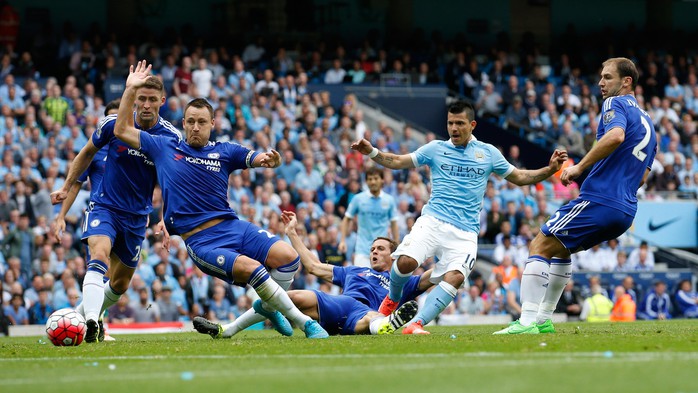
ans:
(458, 179)
(374, 215)
(129, 175)
(194, 181)
(614, 180)
(95, 172)
(369, 286)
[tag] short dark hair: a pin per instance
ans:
(153, 82)
(113, 104)
(462, 106)
(393, 243)
(625, 67)
(372, 171)
(199, 103)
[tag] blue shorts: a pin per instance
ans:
(126, 232)
(580, 225)
(338, 314)
(215, 249)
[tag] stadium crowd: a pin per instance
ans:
(262, 100)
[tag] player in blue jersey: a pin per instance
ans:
(450, 221)
(375, 211)
(620, 162)
(193, 174)
(114, 228)
(352, 312)
(95, 173)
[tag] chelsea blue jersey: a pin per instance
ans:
(129, 175)
(370, 287)
(194, 181)
(95, 172)
(458, 179)
(614, 180)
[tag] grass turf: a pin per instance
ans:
(580, 357)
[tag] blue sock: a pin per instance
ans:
(437, 300)
(397, 282)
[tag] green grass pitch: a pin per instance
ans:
(580, 357)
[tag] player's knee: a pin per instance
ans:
(281, 254)
(406, 264)
(454, 278)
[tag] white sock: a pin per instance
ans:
(110, 298)
(560, 273)
(92, 294)
(375, 324)
(533, 286)
(80, 309)
(270, 292)
(247, 319)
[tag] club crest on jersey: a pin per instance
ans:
(220, 260)
(479, 155)
(608, 116)
(94, 223)
(214, 156)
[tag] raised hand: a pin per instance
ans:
(271, 160)
(289, 219)
(138, 75)
(558, 159)
(363, 146)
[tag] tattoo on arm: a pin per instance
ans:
(383, 158)
(534, 176)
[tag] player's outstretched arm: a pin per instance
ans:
(267, 160)
(77, 167)
(602, 149)
(59, 222)
(388, 160)
(308, 259)
(522, 177)
(124, 127)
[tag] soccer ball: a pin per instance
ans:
(66, 327)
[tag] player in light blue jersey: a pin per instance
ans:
(450, 221)
(375, 211)
(620, 160)
(194, 175)
(114, 227)
(95, 173)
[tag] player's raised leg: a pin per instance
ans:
(283, 262)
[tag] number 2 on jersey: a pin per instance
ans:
(637, 150)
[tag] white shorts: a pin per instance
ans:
(362, 260)
(454, 248)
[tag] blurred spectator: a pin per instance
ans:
(472, 303)
(597, 307)
(571, 301)
(624, 307)
(146, 311)
(16, 311)
(121, 312)
(641, 258)
(656, 304)
(41, 310)
(686, 300)
(169, 309)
